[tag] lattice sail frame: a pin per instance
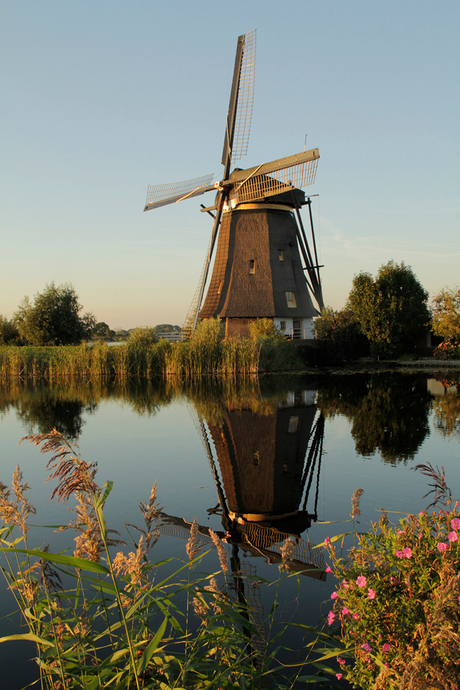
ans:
(245, 103)
(163, 194)
(259, 187)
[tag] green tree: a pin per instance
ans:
(101, 331)
(9, 334)
(339, 335)
(446, 315)
(53, 318)
(391, 310)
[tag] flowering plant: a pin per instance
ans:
(446, 350)
(398, 603)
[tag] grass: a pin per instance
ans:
(188, 359)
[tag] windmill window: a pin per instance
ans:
(281, 254)
(283, 325)
(221, 285)
(290, 299)
(252, 266)
(293, 423)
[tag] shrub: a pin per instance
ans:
(141, 338)
(264, 328)
(447, 350)
(398, 602)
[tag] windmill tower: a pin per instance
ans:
(263, 265)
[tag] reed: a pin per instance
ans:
(206, 354)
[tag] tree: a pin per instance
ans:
(446, 315)
(9, 334)
(54, 318)
(101, 331)
(391, 310)
(339, 335)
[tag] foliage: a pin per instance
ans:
(260, 328)
(54, 318)
(101, 331)
(398, 600)
(9, 334)
(141, 338)
(447, 350)
(117, 621)
(391, 310)
(210, 331)
(446, 315)
(339, 335)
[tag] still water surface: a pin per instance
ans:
(256, 462)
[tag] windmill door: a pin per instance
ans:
(296, 329)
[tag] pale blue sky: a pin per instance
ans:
(102, 97)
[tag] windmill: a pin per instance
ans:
(263, 265)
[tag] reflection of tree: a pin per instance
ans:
(388, 412)
(447, 409)
(42, 406)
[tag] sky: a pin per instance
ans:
(102, 97)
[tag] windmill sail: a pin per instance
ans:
(164, 194)
(241, 100)
(273, 178)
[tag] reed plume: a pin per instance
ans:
(355, 499)
(193, 547)
(71, 472)
(15, 511)
(151, 512)
(287, 554)
(223, 557)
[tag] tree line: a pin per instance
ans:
(383, 317)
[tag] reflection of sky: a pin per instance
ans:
(133, 451)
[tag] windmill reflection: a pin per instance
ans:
(266, 470)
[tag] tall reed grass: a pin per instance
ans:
(204, 355)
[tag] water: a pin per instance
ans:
(255, 462)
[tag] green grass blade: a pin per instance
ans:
(71, 561)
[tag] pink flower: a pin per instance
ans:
(334, 595)
(341, 661)
(327, 541)
(366, 647)
(442, 547)
(338, 676)
(328, 569)
(459, 601)
(345, 584)
(400, 531)
(387, 665)
(371, 593)
(399, 554)
(345, 611)
(356, 615)
(330, 617)
(453, 536)
(455, 523)
(385, 647)
(395, 580)
(361, 581)
(407, 552)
